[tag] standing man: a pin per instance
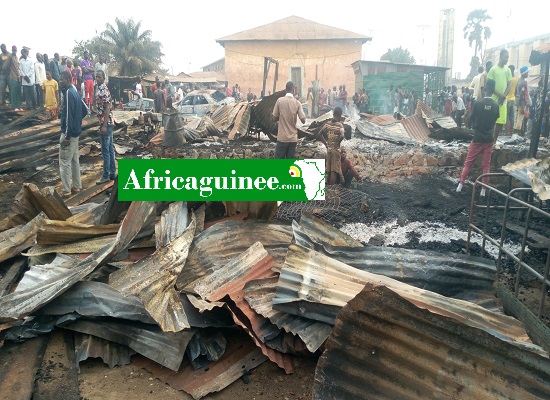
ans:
(503, 80)
(159, 98)
(55, 68)
(72, 114)
(13, 80)
(102, 66)
(331, 135)
(138, 93)
(523, 101)
(488, 66)
(88, 77)
(510, 101)
(39, 78)
(459, 110)
(475, 85)
(287, 110)
(4, 72)
(389, 100)
(170, 92)
(106, 125)
(484, 115)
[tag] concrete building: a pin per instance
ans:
(305, 51)
(445, 48)
(519, 52)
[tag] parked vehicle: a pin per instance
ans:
(199, 102)
(147, 105)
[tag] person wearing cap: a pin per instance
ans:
(503, 78)
(14, 80)
(523, 101)
(484, 116)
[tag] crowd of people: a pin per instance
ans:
(401, 100)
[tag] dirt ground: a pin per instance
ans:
(421, 198)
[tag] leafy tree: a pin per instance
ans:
(133, 52)
(398, 55)
(477, 32)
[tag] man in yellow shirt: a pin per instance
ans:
(50, 88)
(511, 102)
(502, 77)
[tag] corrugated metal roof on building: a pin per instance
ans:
(219, 243)
(311, 276)
(260, 293)
(444, 273)
(384, 347)
(416, 128)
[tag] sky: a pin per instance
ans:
(188, 31)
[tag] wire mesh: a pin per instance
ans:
(339, 204)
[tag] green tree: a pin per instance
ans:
(132, 51)
(477, 32)
(398, 55)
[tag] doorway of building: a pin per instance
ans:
(296, 77)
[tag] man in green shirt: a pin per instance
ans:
(503, 78)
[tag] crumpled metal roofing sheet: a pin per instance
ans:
(220, 242)
(416, 128)
(15, 240)
(384, 347)
(382, 120)
(532, 172)
(311, 276)
(314, 228)
(153, 278)
(23, 302)
(445, 122)
(260, 293)
(240, 357)
(80, 247)
(373, 131)
(112, 354)
(422, 107)
(229, 280)
(166, 348)
(444, 273)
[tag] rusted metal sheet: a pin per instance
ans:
(532, 172)
(382, 120)
(445, 273)
(221, 115)
(153, 278)
(259, 295)
(30, 201)
(229, 280)
(373, 131)
(22, 302)
(15, 240)
(222, 241)
(59, 232)
(238, 120)
(416, 128)
(385, 347)
(311, 276)
(423, 108)
(262, 113)
(240, 357)
(112, 354)
(166, 348)
(79, 247)
(315, 229)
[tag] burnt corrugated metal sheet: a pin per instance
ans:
(220, 242)
(532, 172)
(229, 280)
(311, 276)
(112, 354)
(220, 116)
(15, 240)
(313, 228)
(153, 278)
(240, 357)
(80, 247)
(373, 131)
(381, 120)
(23, 302)
(416, 128)
(262, 113)
(166, 348)
(384, 347)
(444, 273)
(444, 122)
(260, 293)
(59, 232)
(422, 107)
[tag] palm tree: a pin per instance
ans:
(477, 32)
(134, 52)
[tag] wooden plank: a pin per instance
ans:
(23, 118)
(19, 363)
(89, 193)
(14, 270)
(58, 374)
(237, 122)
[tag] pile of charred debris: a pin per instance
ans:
(204, 301)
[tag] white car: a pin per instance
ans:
(200, 102)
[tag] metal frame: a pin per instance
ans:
(512, 203)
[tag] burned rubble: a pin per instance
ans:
(200, 295)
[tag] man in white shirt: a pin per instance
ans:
(138, 93)
(26, 68)
(102, 66)
(459, 109)
(39, 78)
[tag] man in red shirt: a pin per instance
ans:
(348, 170)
